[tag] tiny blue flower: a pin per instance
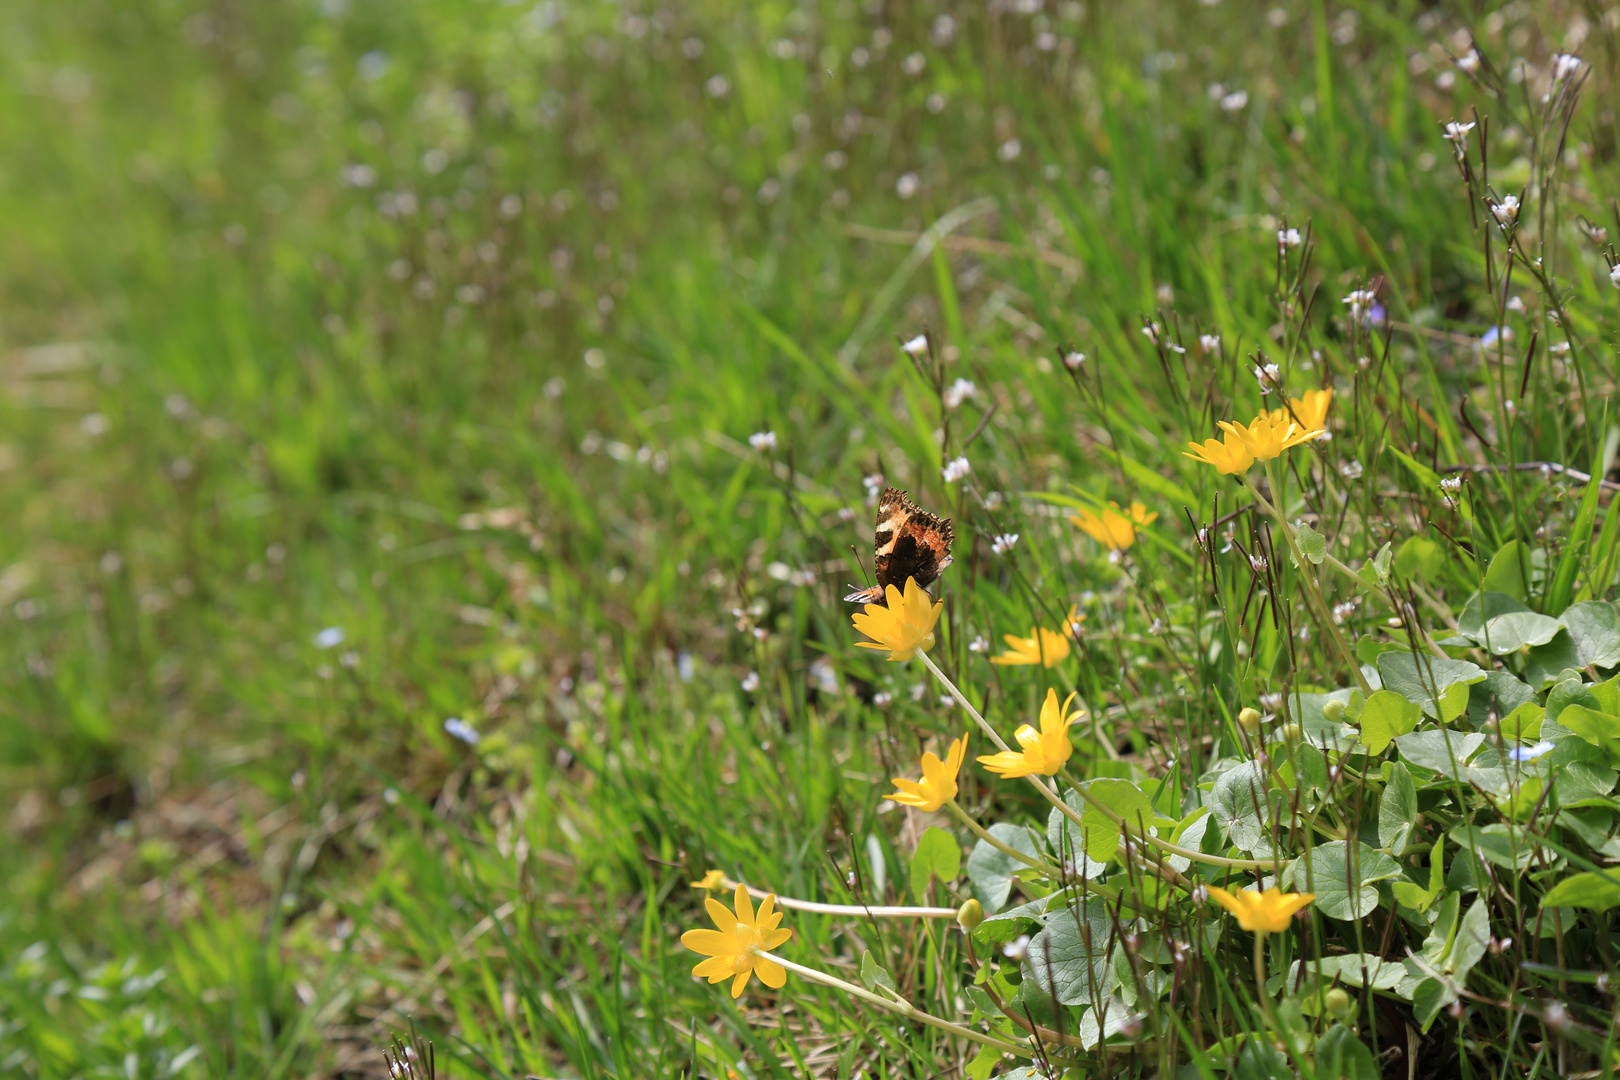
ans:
(458, 728)
(330, 637)
(1529, 753)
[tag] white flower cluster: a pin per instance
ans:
(1004, 543)
(956, 469)
(763, 440)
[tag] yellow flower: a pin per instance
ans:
(1309, 410)
(738, 947)
(714, 879)
(1263, 912)
(1045, 750)
(1043, 646)
(1114, 529)
(1074, 622)
(903, 628)
(1267, 436)
(938, 785)
(1228, 454)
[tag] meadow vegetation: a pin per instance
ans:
(439, 437)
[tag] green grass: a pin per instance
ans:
(497, 434)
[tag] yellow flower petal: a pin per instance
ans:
(903, 625)
(1266, 912)
(737, 949)
(1043, 646)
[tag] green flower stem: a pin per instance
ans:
(847, 909)
(984, 834)
(1313, 592)
(895, 1005)
(1106, 811)
(1259, 976)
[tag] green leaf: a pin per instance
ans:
(1376, 572)
(1481, 608)
(991, 871)
(1350, 970)
(1342, 878)
(1417, 898)
(983, 1065)
(1097, 1025)
(1596, 892)
(1510, 571)
(1547, 663)
(1523, 724)
(1386, 715)
(1342, 1056)
(1440, 750)
(1594, 628)
(1430, 997)
(1419, 558)
(1064, 836)
(1599, 729)
(1101, 835)
(938, 855)
(1069, 958)
(1397, 809)
(1499, 844)
(1312, 544)
(876, 977)
(1242, 804)
(1424, 680)
(1472, 939)
(1498, 695)
(1518, 630)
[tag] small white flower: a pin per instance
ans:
(1614, 275)
(873, 482)
(1289, 238)
(1235, 100)
(1351, 470)
(882, 699)
(1469, 62)
(1529, 753)
(1073, 360)
(1451, 485)
(946, 701)
(918, 691)
(750, 682)
(1458, 133)
(329, 638)
(1209, 343)
(956, 469)
(1269, 376)
(1017, 950)
(763, 440)
(1564, 66)
(959, 391)
(457, 728)
(978, 644)
(1004, 543)
(1258, 563)
(916, 346)
(1343, 611)
(1507, 210)
(1151, 331)
(1361, 302)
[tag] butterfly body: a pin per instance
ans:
(911, 543)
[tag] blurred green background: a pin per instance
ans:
(367, 365)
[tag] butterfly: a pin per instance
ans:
(911, 543)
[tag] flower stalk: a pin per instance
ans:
(902, 1007)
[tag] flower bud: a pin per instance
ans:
(970, 914)
(1291, 733)
(1338, 1003)
(1249, 720)
(1334, 711)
